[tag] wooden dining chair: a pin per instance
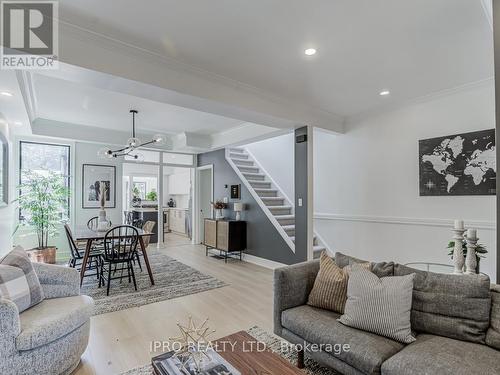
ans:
(77, 252)
(120, 249)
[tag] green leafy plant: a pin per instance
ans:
(136, 193)
(151, 196)
(480, 249)
(43, 201)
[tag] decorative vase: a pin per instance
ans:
(470, 259)
(102, 222)
(458, 254)
(218, 214)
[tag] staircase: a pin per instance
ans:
(275, 204)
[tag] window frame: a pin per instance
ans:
(69, 167)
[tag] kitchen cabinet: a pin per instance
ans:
(179, 183)
(177, 220)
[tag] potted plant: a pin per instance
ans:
(219, 206)
(43, 203)
(480, 251)
(151, 196)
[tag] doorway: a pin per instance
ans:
(205, 197)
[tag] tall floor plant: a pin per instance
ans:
(43, 203)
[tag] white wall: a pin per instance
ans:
(276, 156)
(86, 153)
(366, 183)
(7, 212)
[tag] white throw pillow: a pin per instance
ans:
(381, 306)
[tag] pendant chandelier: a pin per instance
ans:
(133, 144)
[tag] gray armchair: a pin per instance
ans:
(48, 338)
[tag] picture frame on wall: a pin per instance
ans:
(4, 171)
(93, 176)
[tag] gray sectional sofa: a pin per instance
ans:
(456, 319)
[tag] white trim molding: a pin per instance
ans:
(266, 263)
(430, 222)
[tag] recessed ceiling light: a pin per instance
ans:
(5, 93)
(310, 51)
(384, 92)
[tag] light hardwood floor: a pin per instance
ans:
(122, 340)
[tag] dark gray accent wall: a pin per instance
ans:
(263, 240)
(301, 192)
(496, 35)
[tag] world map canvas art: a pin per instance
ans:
(461, 164)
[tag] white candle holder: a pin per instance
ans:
(470, 260)
(458, 253)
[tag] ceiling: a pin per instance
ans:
(69, 102)
(412, 48)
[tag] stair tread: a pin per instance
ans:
(290, 226)
(281, 207)
(265, 190)
(272, 198)
(284, 217)
(254, 174)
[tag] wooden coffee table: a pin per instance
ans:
(249, 360)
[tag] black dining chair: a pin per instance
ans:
(77, 253)
(120, 249)
(93, 223)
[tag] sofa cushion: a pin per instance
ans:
(367, 350)
(379, 305)
(493, 333)
(330, 287)
(455, 306)
(444, 356)
(52, 319)
(18, 280)
(381, 269)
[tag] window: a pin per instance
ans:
(42, 158)
(144, 156)
(179, 159)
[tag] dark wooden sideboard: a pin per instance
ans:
(227, 236)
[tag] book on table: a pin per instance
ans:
(214, 364)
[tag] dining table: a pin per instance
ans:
(90, 236)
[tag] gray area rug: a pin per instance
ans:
(172, 279)
(273, 342)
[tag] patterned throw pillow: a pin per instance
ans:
(381, 306)
(330, 287)
(18, 281)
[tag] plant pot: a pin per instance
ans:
(46, 255)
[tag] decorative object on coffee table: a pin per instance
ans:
(194, 344)
(43, 207)
(458, 255)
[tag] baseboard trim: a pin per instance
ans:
(487, 225)
(266, 263)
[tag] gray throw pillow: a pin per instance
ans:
(379, 305)
(381, 269)
(493, 334)
(18, 281)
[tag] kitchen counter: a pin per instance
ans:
(175, 208)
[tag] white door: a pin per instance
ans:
(206, 197)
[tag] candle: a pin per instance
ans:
(472, 234)
(459, 224)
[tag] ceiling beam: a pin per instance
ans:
(162, 79)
